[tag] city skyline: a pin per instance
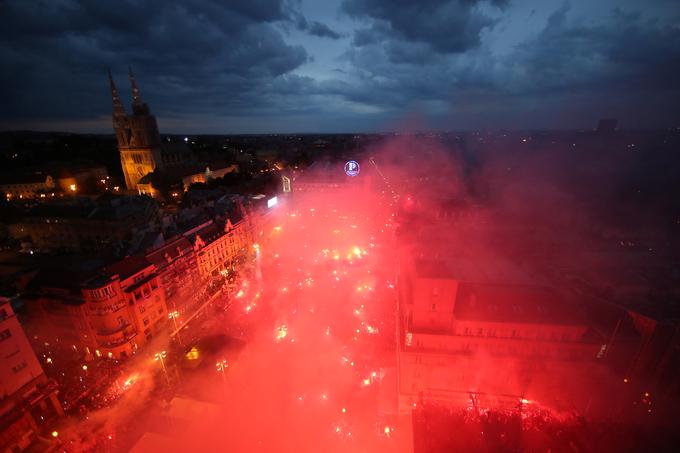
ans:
(343, 66)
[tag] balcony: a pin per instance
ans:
(104, 310)
(117, 337)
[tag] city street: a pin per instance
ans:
(297, 356)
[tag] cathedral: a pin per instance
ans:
(139, 142)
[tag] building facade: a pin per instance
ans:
(109, 314)
(26, 186)
(28, 399)
(139, 142)
(216, 248)
(126, 306)
(499, 343)
(86, 225)
(177, 269)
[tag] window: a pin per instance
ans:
(142, 309)
(160, 310)
(5, 334)
(146, 322)
(434, 307)
(19, 367)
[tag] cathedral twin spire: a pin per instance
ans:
(137, 105)
(136, 100)
(118, 109)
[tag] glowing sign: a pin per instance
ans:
(352, 168)
(286, 183)
(273, 201)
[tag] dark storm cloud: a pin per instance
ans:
(315, 28)
(628, 52)
(445, 26)
(322, 30)
(619, 65)
(190, 55)
(241, 65)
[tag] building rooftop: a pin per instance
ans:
(170, 250)
(127, 267)
(436, 269)
(207, 231)
(513, 304)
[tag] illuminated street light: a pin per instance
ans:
(73, 187)
(174, 315)
(159, 356)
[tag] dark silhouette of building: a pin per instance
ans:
(607, 125)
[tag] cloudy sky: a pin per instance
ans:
(252, 66)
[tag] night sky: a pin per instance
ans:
(258, 66)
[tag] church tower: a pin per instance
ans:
(139, 142)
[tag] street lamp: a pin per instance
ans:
(222, 366)
(174, 315)
(159, 356)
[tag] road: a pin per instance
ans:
(307, 338)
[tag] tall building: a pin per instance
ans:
(126, 306)
(495, 343)
(110, 314)
(139, 142)
(28, 399)
(215, 248)
(178, 272)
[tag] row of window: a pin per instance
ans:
(102, 293)
(514, 333)
(145, 292)
(105, 309)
